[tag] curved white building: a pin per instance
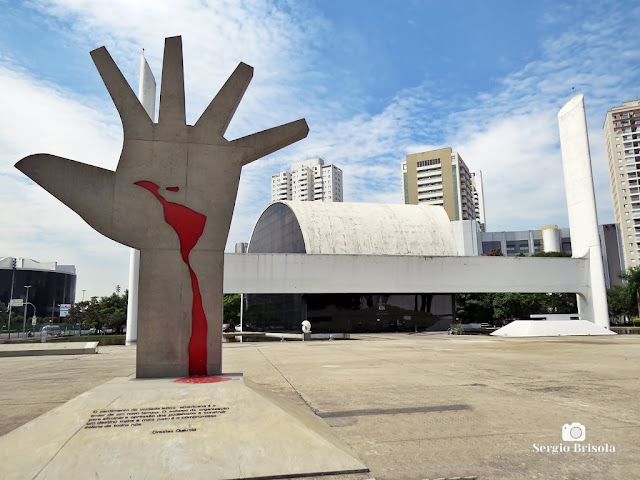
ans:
(353, 228)
(317, 228)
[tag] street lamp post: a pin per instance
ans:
(13, 276)
(26, 302)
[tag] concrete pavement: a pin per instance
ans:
(416, 406)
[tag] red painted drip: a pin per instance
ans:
(189, 225)
(173, 189)
(203, 379)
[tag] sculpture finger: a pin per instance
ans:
(135, 121)
(217, 116)
(172, 109)
(268, 141)
(86, 189)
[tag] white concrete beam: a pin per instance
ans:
(300, 273)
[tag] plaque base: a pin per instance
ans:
(201, 427)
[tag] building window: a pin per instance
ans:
(424, 163)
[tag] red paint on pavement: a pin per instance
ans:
(203, 379)
(189, 225)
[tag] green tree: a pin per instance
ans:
(551, 254)
(620, 302)
(632, 286)
(4, 315)
(231, 308)
(489, 307)
(85, 313)
(106, 312)
(113, 311)
(508, 305)
(474, 307)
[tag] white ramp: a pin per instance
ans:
(550, 328)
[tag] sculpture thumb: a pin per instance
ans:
(84, 188)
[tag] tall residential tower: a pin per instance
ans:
(440, 177)
(309, 180)
(622, 134)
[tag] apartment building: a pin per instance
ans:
(622, 136)
(441, 177)
(309, 180)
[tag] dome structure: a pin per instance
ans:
(353, 228)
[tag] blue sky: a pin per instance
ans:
(375, 80)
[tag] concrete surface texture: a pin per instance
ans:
(581, 206)
(223, 430)
(301, 273)
(176, 212)
(372, 228)
(416, 406)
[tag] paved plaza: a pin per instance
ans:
(415, 406)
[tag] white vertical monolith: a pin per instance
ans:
(581, 205)
(147, 97)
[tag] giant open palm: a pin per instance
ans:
(172, 197)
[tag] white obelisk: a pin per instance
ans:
(581, 206)
(147, 96)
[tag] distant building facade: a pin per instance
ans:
(622, 136)
(471, 242)
(440, 177)
(241, 247)
(309, 180)
(50, 285)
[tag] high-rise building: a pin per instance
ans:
(622, 134)
(440, 177)
(309, 180)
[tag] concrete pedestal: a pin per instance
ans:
(165, 429)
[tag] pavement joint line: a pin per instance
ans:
(453, 478)
(430, 439)
(394, 411)
(287, 380)
(67, 441)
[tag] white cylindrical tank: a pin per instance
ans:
(551, 241)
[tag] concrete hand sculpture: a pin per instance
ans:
(172, 197)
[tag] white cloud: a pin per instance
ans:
(45, 118)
